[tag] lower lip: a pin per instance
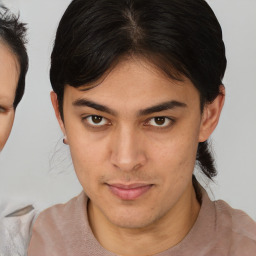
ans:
(131, 193)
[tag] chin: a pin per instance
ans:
(132, 219)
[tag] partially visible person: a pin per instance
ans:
(14, 224)
(13, 69)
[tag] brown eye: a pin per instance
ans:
(160, 121)
(96, 121)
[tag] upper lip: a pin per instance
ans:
(129, 186)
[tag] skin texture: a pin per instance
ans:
(9, 75)
(130, 147)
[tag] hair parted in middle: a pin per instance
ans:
(180, 37)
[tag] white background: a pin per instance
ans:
(35, 167)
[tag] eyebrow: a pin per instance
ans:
(91, 104)
(162, 107)
(153, 109)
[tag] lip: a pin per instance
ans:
(129, 192)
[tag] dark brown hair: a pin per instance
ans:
(181, 37)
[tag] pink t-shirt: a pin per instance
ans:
(219, 230)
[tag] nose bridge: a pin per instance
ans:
(127, 150)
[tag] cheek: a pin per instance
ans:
(6, 121)
(88, 159)
(174, 163)
(177, 150)
(175, 156)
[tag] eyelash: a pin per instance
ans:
(89, 123)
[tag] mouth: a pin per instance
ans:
(129, 192)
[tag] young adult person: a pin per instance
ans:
(137, 93)
(14, 226)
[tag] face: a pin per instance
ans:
(133, 140)
(9, 75)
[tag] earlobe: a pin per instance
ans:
(55, 104)
(211, 115)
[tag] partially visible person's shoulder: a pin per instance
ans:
(15, 229)
(237, 227)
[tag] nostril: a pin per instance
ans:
(132, 165)
(136, 167)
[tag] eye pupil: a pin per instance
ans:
(96, 119)
(160, 120)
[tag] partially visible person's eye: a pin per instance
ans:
(2, 110)
(160, 122)
(96, 121)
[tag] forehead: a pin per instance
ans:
(9, 74)
(134, 84)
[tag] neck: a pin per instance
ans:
(159, 236)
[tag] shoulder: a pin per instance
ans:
(52, 223)
(235, 219)
(60, 213)
(238, 228)
(15, 231)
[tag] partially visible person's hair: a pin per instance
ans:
(12, 34)
(181, 37)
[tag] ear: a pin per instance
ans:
(55, 104)
(211, 115)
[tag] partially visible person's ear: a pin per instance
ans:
(55, 104)
(211, 115)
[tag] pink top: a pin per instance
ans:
(219, 230)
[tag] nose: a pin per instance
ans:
(128, 152)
